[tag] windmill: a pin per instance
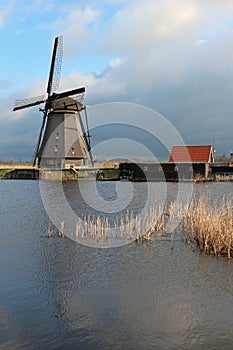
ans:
(63, 140)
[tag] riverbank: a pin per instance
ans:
(135, 172)
(31, 173)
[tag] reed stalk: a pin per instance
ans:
(210, 226)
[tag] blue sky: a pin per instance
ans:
(174, 56)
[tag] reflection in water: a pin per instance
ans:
(56, 294)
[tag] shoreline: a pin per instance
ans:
(107, 174)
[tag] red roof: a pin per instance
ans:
(194, 154)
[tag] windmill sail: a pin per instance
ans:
(67, 94)
(55, 68)
(29, 102)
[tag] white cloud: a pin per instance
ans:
(21, 10)
(115, 62)
(1, 20)
(201, 42)
(148, 25)
(138, 26)
(99, 88)
(6, 10)
(78, 27)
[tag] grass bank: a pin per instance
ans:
(4, 171)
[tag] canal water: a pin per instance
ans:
(59, 294)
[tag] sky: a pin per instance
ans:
(172, 56)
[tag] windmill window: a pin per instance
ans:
(145, 168)
(73, 150)
(57, 136)
(160, 168)
(56, 148)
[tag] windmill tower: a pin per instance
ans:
(63, 139)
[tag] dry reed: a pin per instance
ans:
(127, 226)
(210, 226)
(219, 178)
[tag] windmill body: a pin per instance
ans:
(63, 140)
(63, 144)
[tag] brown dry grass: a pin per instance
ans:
(210, 226)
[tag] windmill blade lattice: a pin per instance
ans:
(55, 68)
(29, 102)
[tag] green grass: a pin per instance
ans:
(110, 173)
(4, 171)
